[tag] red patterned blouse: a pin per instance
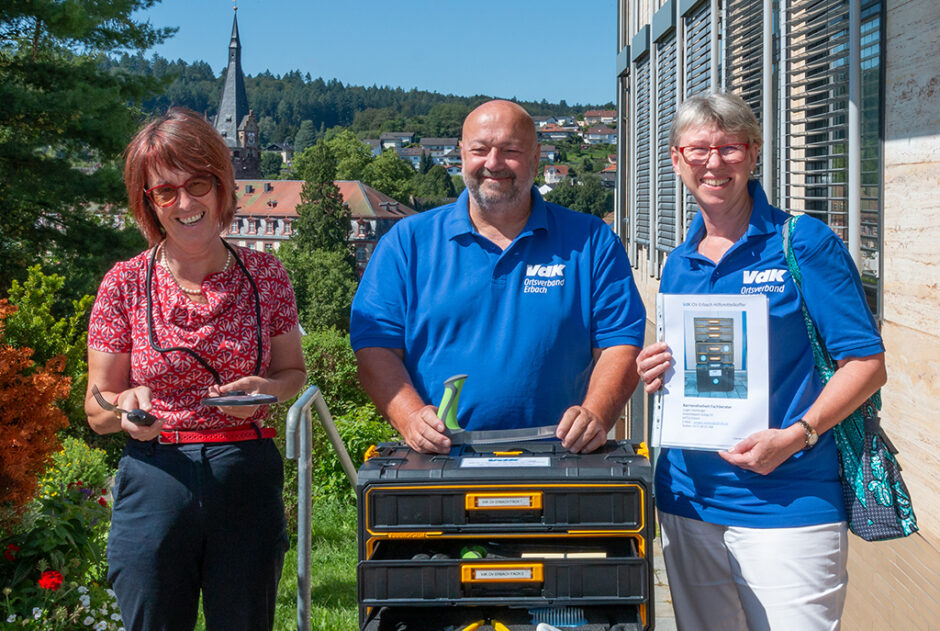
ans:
(223, 332)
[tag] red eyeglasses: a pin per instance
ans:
(165, 195)
(730, 154)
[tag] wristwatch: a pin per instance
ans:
(811, 435)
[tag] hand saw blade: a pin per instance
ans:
(497, 436)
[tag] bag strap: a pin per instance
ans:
(849, 434)
(824, 364)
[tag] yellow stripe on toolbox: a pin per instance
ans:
(424, 534)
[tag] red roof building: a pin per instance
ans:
(267, 210)
(555, 173)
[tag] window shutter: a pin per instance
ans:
(815, 86)
(641, 149)
(697, 49)
(667, 215)
(744, 57)
(697, 61)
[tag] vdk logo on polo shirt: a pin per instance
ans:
(545, 271)
(762, 278)
(539, 278)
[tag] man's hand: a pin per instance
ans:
(384, 378)
(580, 430)
(584, 427)
(424, 432)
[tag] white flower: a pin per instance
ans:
(101, 626)
(109, 592)
(37, 612)
(82, 589)
(115, 616)
(104, 610)
(88, 621)
(11, 618)
(85, 599)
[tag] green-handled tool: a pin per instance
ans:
(447, 412)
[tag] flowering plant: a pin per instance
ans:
(60, 544)
(75, 607)
(50, 580)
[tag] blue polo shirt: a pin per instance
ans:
(520, 322)
(805, 489)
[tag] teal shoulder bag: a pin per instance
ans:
(877, 502)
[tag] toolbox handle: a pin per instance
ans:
(531, 500)
(502, 573)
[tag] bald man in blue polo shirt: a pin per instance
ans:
(534, 302)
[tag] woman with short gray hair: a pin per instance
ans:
(755, 537)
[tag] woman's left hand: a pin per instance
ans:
(764, 451)
(248, 385)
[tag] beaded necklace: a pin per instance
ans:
(191, 292)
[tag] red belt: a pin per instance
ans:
(248, 431)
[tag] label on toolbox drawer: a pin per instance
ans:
(529, 461)
(502, 575)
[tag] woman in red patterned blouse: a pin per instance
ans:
(197, 498)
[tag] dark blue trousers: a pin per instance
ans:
(197, 518)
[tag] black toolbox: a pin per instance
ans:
(521, 534)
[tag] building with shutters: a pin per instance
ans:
(266, 211)
(846, 94)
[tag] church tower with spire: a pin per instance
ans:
(234, 120)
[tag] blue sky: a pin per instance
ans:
(528, 49)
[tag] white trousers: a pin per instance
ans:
(726, 578)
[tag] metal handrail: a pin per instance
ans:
(300, 448)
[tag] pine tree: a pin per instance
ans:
(318, 257)
(425, 164)
(62, 109)
(305, 136)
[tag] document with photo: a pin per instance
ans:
(716, 391)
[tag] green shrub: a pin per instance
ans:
(76, 462)
(331, 366)
(359, 428)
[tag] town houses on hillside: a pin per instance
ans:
(267, 209)
(602, 117)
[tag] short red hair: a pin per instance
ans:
(183, 140)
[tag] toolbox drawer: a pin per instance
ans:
(402, 572)
(504, 507)
(610, 618)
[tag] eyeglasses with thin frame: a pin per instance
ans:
(730, 154)
(165, 195)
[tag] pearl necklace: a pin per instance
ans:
(191, 292)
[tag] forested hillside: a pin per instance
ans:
(282, 103)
